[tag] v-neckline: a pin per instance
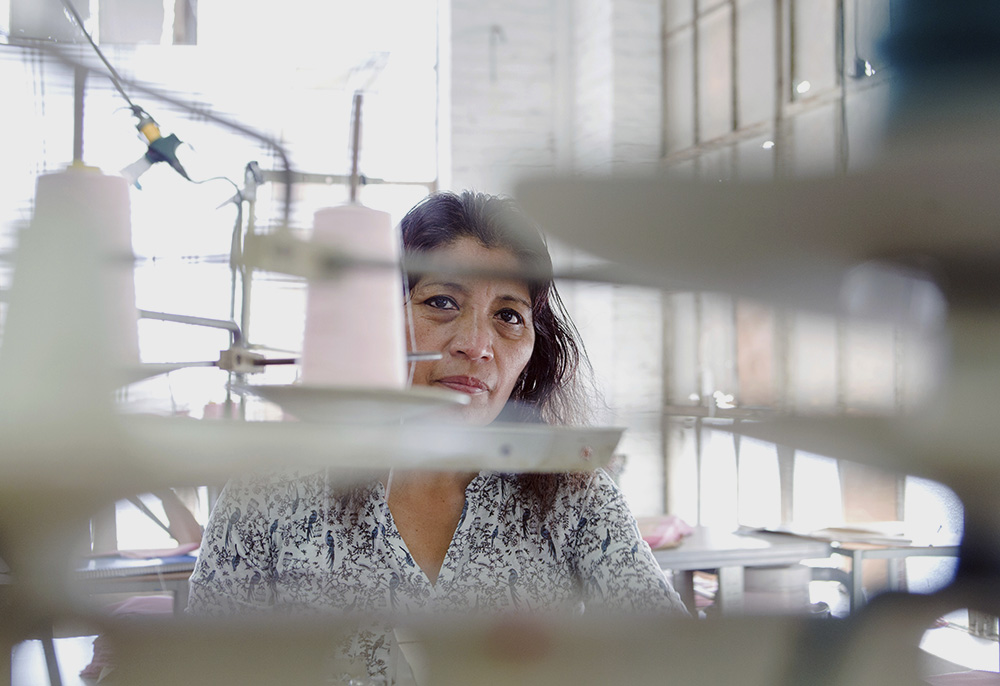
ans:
(447, 571)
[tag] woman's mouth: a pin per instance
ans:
(464, 384)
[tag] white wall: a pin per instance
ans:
(523, 72)
(502, 95)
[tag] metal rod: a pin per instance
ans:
(410, 357)
(232, 327)
(355, 145)
(779, 86)
(79, 83)
(841, 130)
(246, 273)
(698, 475)
(696, 69)
(51, 661)
(734, 67)
(320, 178)
(423, 357)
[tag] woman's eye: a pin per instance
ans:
(510, 317)
(441, 302)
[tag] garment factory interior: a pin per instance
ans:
(384, 102)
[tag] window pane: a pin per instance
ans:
(756, 61)
(706, 6)
(642, 478)
(636, 325)
(869, 367)
(760, 492)
(923, 361)
(865, 25)
(682, 465)
(813, 364)
(715, 74)
(814, 34)
(679, 96)
(718, 479)
(816, 492)
(718, 338)
(683, 376)
(755, 363)
(677, 13)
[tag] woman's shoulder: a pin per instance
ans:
(270, 479)
(554, 492)
(562, 482)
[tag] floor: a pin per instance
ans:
(952, 642)
(947, 648)
(73, 654)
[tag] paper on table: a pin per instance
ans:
(877, 533)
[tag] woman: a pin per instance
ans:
(448, 541)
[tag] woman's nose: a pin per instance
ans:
(473, 339)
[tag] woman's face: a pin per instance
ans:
(482, 327)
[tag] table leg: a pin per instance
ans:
(684, 585)
(857, 585)
(51, 661)
(180, 598)
(730, 593)
(897, 574)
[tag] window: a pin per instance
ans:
(758, 89)
(289, 73)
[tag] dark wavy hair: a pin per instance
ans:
(549, 389)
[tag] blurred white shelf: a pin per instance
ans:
(350, 405)
(203, 451)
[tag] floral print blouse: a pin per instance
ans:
(290, 541)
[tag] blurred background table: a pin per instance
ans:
(729, 553)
